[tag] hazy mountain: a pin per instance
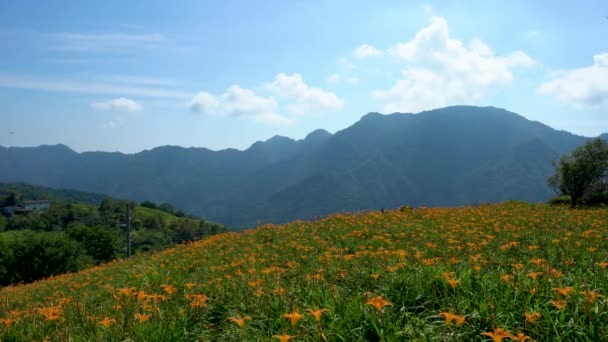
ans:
(450, 156)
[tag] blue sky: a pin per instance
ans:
(132, 75)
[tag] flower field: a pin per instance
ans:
(511, 271)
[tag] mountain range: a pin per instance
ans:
(445, 157)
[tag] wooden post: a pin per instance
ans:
(128, 229)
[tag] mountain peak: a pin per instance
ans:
(371, 116)
(317, 135)
(279, 139)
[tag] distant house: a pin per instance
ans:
(40, 205)
(27, 206)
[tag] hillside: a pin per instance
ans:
(457, 274)
(39, 193)
(450, 156)
(71, 235)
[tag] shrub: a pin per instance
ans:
(597, 199)
(560, 200)
(30, 256)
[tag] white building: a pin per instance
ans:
(40, 205)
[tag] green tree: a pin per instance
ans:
(3, 223)
(100, 243)
(10, 200)
(30, 256)
(584, 173)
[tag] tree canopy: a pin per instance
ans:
(583, 174)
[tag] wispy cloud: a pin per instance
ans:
(120, 104)
(73, 86)
(366, 50)
(129, 79)
(93, 42)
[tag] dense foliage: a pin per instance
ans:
(515, 270)
(583, 174)
(71, 235)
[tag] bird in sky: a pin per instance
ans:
(11, 132)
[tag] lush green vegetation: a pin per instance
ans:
(34, 192)
(512, 270)
(72, 235)
(583, 174)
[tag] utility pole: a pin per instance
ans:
(128, 229)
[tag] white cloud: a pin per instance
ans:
(303, 98)
(333, 79)
(291, 92)
(120, 104)
(444, 71)
(353, 80)
(238, 102)
(586, 86)
(365, 50)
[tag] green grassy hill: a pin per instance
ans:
(512, 271)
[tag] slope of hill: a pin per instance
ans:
(457, 274)
(71, 235)
(39, 192)
(449, 156)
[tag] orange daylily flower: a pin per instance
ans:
(518, 266)
(126, 291)
(7, 322)
(453, 282)
(197, 300)
(106, 322)
(50, 313)
(317, 313)
(283, 338)
(498, 334)
(279, 291)
(559, 304)
(293, 317)
(141, 317)
(564, 291)
(591, 296)
(169, 289)
(450, 317)
(537, 261)
(521, 337)
(239, 321)
(531, 317)
(378, 303)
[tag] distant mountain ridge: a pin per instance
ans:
(449, 156)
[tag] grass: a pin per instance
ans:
(436, 274)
